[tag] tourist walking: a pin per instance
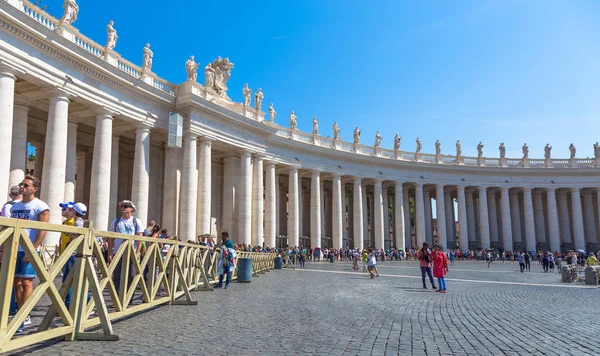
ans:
(545, 262)
(372, 264)
(440, 267)
(32, 209)
(226, 264)
(521, 259)
(424, 257)
(527, 261)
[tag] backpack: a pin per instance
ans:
(135, 225)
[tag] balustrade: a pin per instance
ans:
(39, 15)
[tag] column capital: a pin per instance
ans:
(189, 136)
(269, 164)
(143, 126)
(461, 187)
(205, 139)
(7, 72)
(104, 113)
(245, 153)
(58, 94)
(258, 156)
(315, 172)
(575, 189)
(526, 189)
(21, 107)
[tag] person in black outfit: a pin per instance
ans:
(527, 261)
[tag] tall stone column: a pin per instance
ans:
(540, 220)
(337, 212)
(565, 222)
(399, 217)
(315, 210)
(553, 228)
(515, 212)
(71, 169)
(189, 189)
(205, 186)
(258, 203)
(101, 164)
(365, 217)
(440, 205)
(38, 165)
(245, 202)
(484, 223)
(114, 182)
(449, 209)
(471, 216)
(18, 153)
(463, 233)
(140, 187)
(598, 205)
(55, 161)
(507, 237)
(529, 220)
(7, 111)
(407, 223)
(578, 236)
(419, 214)
(589, 222)
(293, 209)
(378, 214)
(270, 205)
(428, 217)
(493, 217)
(386, 218)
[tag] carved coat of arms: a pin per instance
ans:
(216, 75)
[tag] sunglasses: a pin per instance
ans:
(126, 206)
(24, 185)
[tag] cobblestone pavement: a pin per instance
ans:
(329, 309)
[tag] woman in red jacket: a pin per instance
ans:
(440, 267)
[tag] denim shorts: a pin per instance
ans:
(24, 269)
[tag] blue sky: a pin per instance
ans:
(491, 71)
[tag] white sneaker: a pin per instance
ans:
(27, 321)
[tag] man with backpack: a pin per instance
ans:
(424, 257)
(129, 225)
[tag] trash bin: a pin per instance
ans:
(244, 270)
(331, 258)
(278, 262)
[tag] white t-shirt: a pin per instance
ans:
(127, 227)
(372, 260)
(7, 208)
(29, 211)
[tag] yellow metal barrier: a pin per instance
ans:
(156, 278)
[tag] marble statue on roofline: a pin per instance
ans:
(502, 149)
(547, 151)
(315, 126)
(479, 150)
(525, 151)
(572, 150)
(397, 140)
(111, 42)
(147, 60)
(71, 10)
(191, 67)
(596, 150)
(336, 132)
(258, 98)
(272, 113)
(378, 139)
(246, 91)
(438, 147)
(419, 145)
(216, 75)
(356, 135)
(458, 148)
(293, 121)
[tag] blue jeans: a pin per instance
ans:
(442, 283)
(66, 269)
(225, 272)
(428, 271)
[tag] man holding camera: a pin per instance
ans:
(424, 257)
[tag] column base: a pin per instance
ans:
(548, 163)
(573, 163)
(438, 158)
(525, 162)
(481, 161)
(503, 162)
(418, 157)
(460, 160)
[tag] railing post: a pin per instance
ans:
(7, 276)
